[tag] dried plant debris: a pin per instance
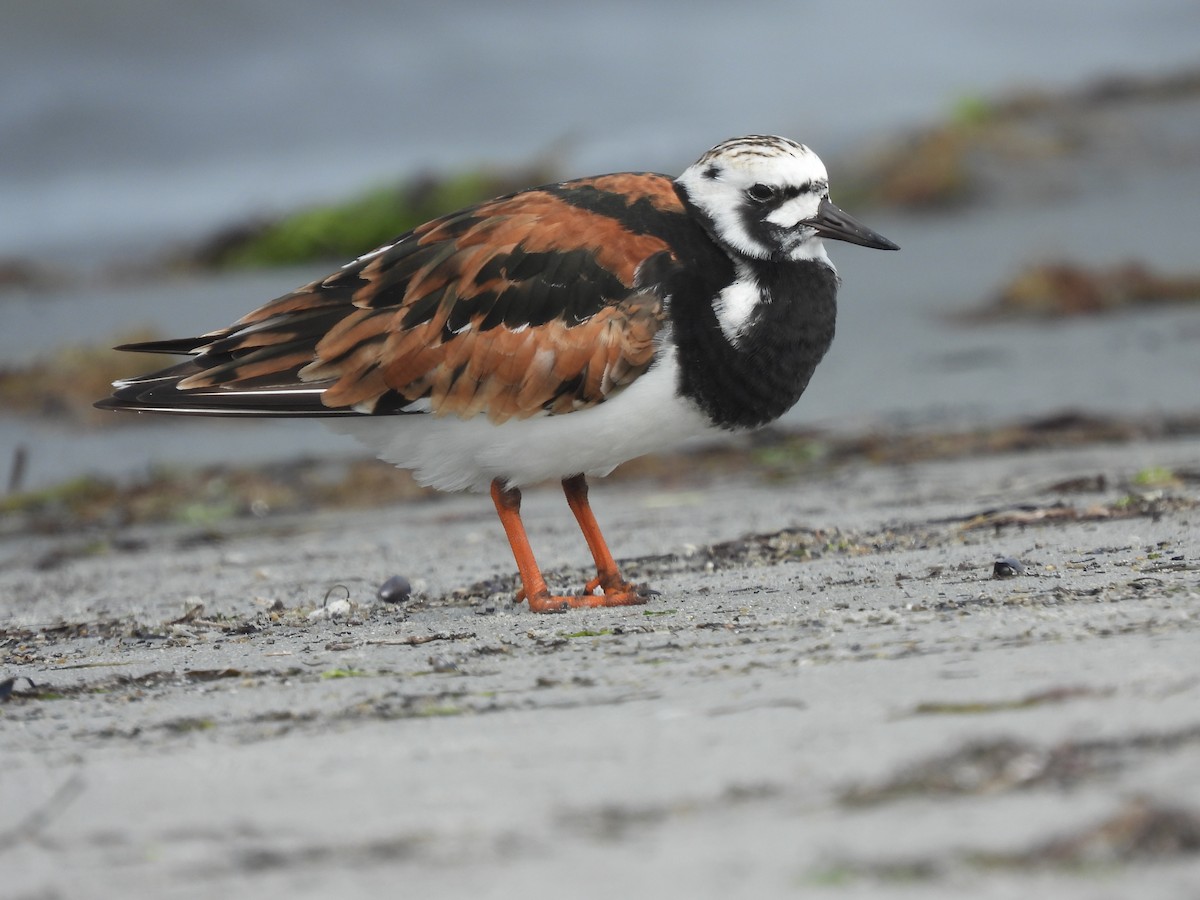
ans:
(121, 685)
(778, 454)
(1141, 830)
(205, 498)
(973, 155)
(65, 383)
(983, 767)
(1061, 289)
(1127, 507)
(29, 276)
(334, 231)
(1007, 764)
(253, 857)
(338, 231)
(612, 822)
(209, 498)
(1030, 701)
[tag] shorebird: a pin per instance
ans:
(551, 333)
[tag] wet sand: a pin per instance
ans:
(831, 695)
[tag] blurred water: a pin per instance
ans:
(126, 122)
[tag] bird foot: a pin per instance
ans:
(545, 602)
(615, 584)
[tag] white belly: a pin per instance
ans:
(454, 454)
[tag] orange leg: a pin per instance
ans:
(617, 591)
(508, 507)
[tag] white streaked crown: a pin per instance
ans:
(755, 192)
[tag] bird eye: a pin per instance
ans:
(760, 193)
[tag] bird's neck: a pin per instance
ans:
(746, 367)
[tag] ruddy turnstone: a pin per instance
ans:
(554, 332)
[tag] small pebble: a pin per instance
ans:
(1008, 567)
(396, 589)
(331, 610)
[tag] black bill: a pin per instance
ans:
(834, 222)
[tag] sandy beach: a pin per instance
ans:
(832, 693)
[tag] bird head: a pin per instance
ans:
(767, 197)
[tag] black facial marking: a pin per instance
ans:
(712, 171)
(754, 220)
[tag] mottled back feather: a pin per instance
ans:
(527, 304)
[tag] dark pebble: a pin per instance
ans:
(395, 590)
(1007, 568)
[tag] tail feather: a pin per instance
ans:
(161, 394)
(282, 395)
(172, 346)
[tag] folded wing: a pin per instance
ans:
(535, 303)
